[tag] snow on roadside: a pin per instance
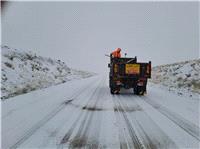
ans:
(182, 78)
(23, 72)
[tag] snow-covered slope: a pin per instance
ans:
(23, 72)
(182, 77)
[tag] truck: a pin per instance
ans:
(128, 73)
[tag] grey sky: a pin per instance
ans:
(80, 33)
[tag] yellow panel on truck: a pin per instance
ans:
(132, 68)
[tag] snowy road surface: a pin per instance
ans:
(83, 114)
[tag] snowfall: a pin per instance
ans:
(81, 113)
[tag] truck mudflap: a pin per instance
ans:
(140, 90)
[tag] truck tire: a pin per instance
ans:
(139, 90)
(118, 90)
(135, 90)
(110, 82)
(112, 91)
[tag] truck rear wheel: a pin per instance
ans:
(135, 90)
(139, 90)
(112, 91)
(117, 90)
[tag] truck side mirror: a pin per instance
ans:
(109, 65)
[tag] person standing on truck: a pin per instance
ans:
(116, 53)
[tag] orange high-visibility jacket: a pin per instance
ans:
(116, 53)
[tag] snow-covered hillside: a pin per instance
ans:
(182, 77)
(23, 72)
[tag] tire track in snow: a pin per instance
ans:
(186, 125)
(33, 129)
(67, 136)
(69, 133)
(48, 117)
(122, 137)
(135, 140)
(150, 142)
(124, 144)
(36, 101)
(81, 137)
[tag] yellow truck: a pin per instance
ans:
(128, 73)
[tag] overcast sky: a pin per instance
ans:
(80, 33)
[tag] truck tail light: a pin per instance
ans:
(141, 81)
(118, 82)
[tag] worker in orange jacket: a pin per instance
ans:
(116, 53)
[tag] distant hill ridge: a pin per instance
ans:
(23, 72)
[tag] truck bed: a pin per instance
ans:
(132, 69)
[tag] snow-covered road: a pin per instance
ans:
(83, 114)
